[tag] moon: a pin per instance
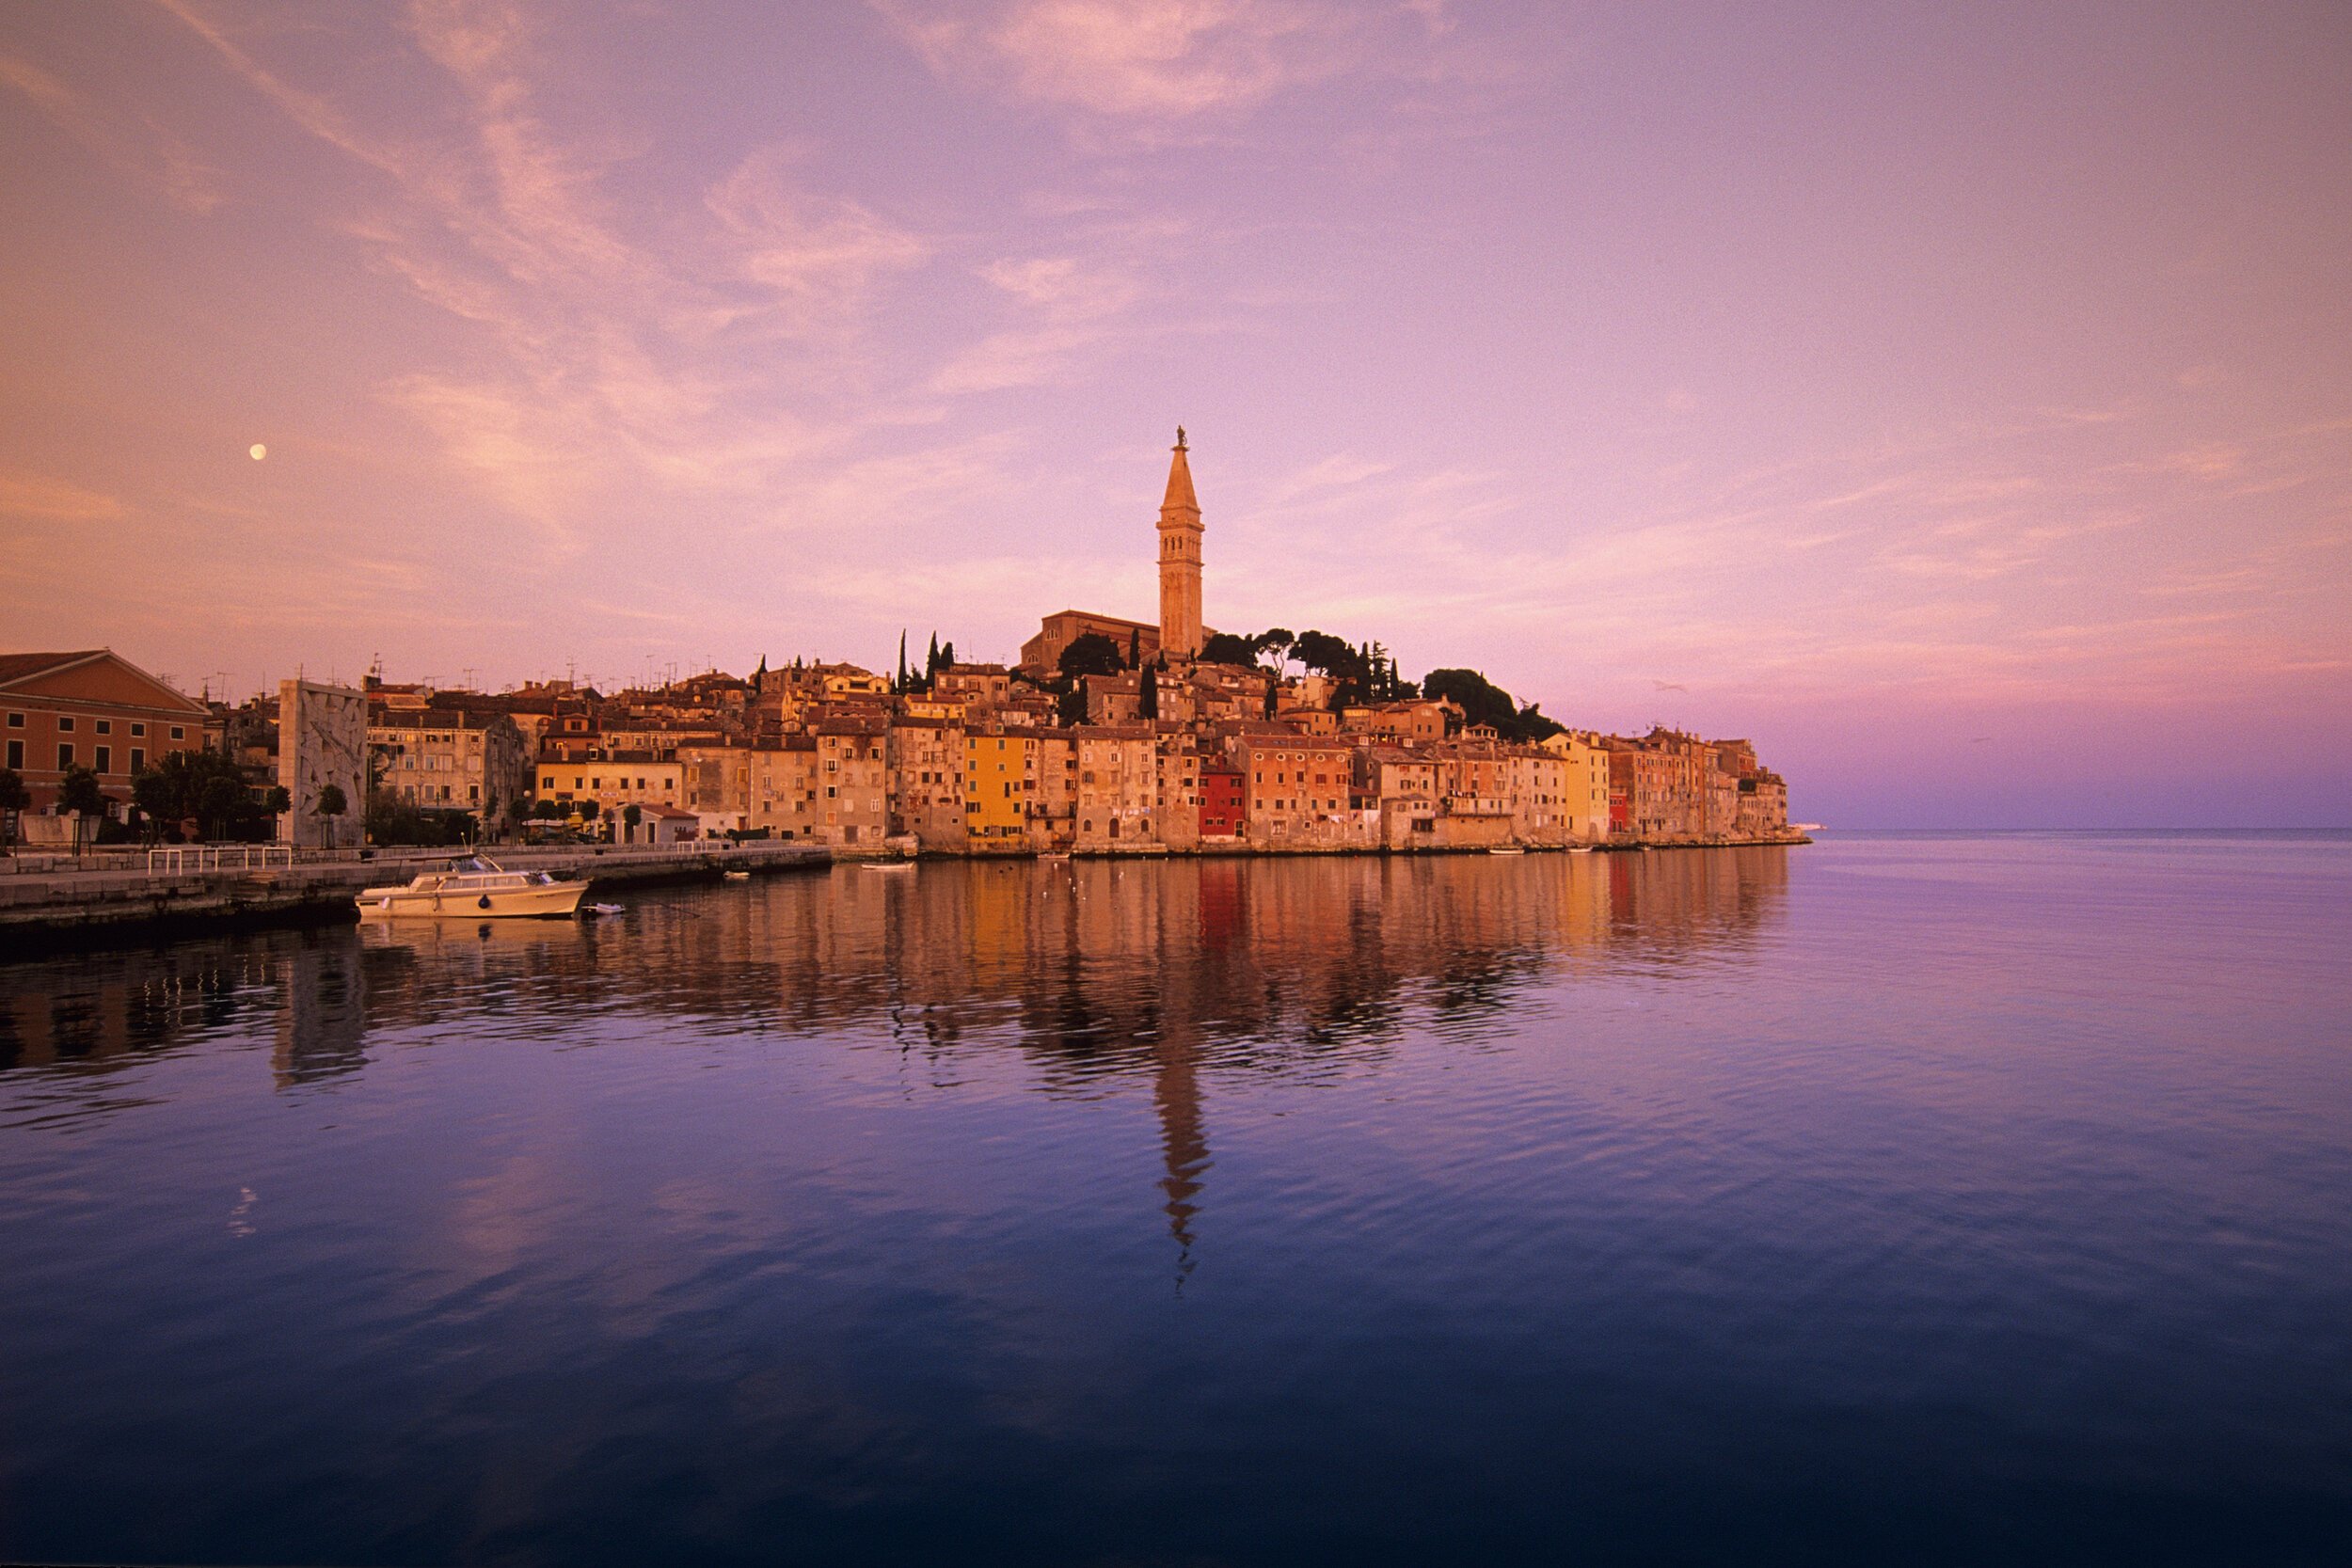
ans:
(259, 452)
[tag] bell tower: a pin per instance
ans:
(1179, 560)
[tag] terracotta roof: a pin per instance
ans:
(15, 667)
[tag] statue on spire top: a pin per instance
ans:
(1180, 437)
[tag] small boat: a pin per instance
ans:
(737, 876)
(476, 888)
(889, 866)
(1580, 849)
(1506, 849)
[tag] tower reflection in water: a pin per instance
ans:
(1075, 976)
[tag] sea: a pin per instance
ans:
(1917, 1198)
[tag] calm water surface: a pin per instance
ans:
(1956, 1198)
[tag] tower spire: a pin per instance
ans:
(1179, 559)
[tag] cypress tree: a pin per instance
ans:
(1149, 708)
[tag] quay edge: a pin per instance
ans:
(41, 910)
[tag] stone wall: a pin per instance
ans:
(321, 740)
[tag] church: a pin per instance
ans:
(1179, 633)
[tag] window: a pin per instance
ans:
(179, 734)
(16, 720)
(16, 754)
(106, 759)
(65, 756)
(105, 727)
(137, 729)
(65, 723)
(138, 759)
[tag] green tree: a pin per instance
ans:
(78, 792)
(1531, 726)
(205, 785)
(277, 801)
(548, 810)
(1091, 654)
(1328, 655)
(1225, 648)
(1481, 701)
(1149, 708)
(1276, 640)
(632, 813)
(14, 797)
(1070, 707)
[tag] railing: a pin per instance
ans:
(218, 857)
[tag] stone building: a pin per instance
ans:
(439, 759)
(852, 782)
(1119, 786)
(1297, 785)
(927, 766)
(321, 740)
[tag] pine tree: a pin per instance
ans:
(931, 660)
(899, 685)
(1149, 706)
(1134, 647)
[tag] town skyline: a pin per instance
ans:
(1957, 405)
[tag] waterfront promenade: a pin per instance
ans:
(57, 895)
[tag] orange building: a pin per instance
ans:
(91, 709)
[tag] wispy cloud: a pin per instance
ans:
(133, 142)
(34, 498)
(1139, 59)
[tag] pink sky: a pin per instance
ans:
(1956, 400)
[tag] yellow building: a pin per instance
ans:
(1584, 787)
(999, 781)
(613, 780)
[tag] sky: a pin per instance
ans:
(1955, 400)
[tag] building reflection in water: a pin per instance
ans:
(1088, 973)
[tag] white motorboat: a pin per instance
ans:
(476, 888)
(1506, 849)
